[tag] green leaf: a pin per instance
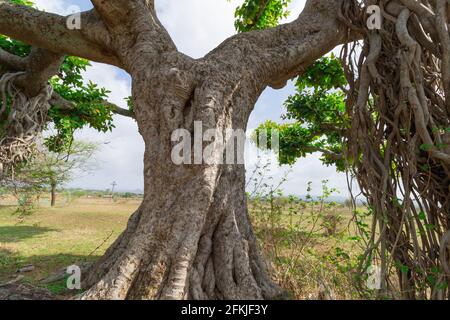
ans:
(426, 147)
(260, 14)
(422, 215)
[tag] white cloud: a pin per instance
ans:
(295, 8)
(62, 7)
(59, 7)
(121, 154)
(297, 176)
(197, 26)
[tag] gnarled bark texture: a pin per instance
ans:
(191, 237)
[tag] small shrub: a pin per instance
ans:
(26, 204)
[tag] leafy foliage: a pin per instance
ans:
(260, 14)
(14, 46)
(318, 112)
(87, 98)
(89, 111)
(46, 170)
(48, 167)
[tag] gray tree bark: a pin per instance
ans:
(191, 237)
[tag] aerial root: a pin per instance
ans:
(401, 143)
(22, 119)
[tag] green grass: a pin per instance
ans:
(53, 238)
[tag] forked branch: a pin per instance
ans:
(278, 54)
(50, 31)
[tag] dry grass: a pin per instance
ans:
(293, 238)
(305, 258)
(52, 238)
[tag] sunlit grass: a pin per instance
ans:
(80, 230)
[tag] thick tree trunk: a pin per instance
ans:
(195, 243)
(191, 237)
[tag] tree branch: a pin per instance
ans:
(37, 67)
(114, 12)
(278, 54)
(118, 110)
(330, 154)
(49, 31)
(142, 37)
(41, 65)
(63, 104)
(11, 61)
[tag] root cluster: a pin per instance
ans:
(399, 141)
(22, 119)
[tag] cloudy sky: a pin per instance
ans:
(197, 26)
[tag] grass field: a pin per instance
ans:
(52, 238)
(302, 255)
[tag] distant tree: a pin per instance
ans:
(49, 169)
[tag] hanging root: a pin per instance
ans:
(400, 140)
(22, 119)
